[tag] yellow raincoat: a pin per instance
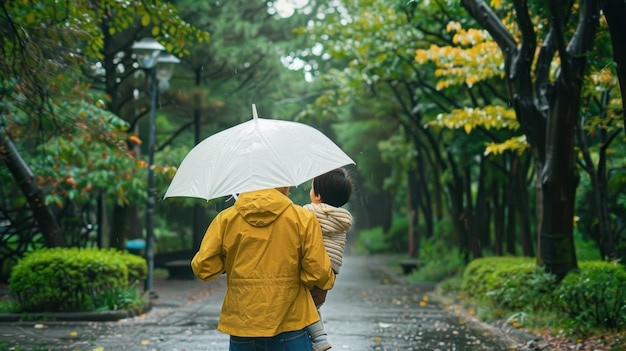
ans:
(272, 253)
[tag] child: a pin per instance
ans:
(329, 192)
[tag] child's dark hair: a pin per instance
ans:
(334, 187)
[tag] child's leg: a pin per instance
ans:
(319, 338)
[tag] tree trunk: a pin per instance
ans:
(599, 186)
(425, 200)
(559, 182)
(471, 221)
(560, 178)
(511, 222)
(372, 209)
(33, 193)
(413, 204)
(483, 213)
(615, 13)
(498, 215)
(125, 223)
(200, 218)
(521, 204)
(535, 97)
(457, 212)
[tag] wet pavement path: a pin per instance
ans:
(367, 310)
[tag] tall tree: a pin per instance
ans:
(373, 58)
(33, 52)
(45, 46)
(615, 11)
(220, 80)
(547, 105)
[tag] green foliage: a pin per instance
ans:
(397, 236)
(451, 284)
(437, 261)
(590, 298)
(586, 249)
(594, 296)
(372, 241)
(73, 279)
(356, 138)
(118, 298)
(511, 283)
(587, 230)
(136, 265)
(8, 306)
(91, 154)
(66, 22)
(438, 265)
(518, 287)
(79, 147)
(396, 152)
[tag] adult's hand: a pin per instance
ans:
(319, 295)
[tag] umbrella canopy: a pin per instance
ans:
(254, 155)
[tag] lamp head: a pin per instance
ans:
(165, 66)
(147, 51)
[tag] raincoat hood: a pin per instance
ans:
(261, 208)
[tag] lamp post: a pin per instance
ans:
(159, 65)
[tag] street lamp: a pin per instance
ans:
(159, 65)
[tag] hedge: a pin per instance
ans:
(592, 296)
(73, 279)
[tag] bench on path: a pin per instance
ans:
(179, 269)
(408, 267)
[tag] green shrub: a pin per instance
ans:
(372, 241)
(437, 261)
(586, 249)
(70, 279)
(509, 283)
(451, 284)
(522, 287)
(137, 267)
(594, 296)
(479, 275)
(8, 306)
(590, 298)
(118, 298)
(397, 237)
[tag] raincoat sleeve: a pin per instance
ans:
(316, 268)
(208, 263)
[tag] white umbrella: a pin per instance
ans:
(254, 155)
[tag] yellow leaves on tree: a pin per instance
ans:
(603, 79)
(497, 117)
(488, 117)
(517, 144)
(475, 57)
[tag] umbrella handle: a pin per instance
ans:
(254, 114)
